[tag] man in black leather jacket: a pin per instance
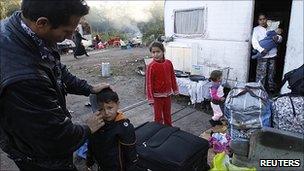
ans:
(35, 126)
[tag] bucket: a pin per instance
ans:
(105, 69)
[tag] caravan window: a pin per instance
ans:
(189, 21)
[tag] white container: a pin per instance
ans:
(105, 69)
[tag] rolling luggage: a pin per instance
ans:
(163, 148)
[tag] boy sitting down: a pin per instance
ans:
(113, 146)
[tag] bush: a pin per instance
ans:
(8, 7)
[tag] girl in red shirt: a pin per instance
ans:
(161, 84)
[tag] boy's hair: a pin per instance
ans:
(58, 12)
(215, 75)
(107, 95)
(157, 44)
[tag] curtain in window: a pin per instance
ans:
(189, 22)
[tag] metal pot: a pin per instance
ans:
(181, 74)
(197, 78)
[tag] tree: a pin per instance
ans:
(154, 27)
(116, 21)
(8, 7)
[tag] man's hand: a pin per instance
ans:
(95, 122)
(98, 87)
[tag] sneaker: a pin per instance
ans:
(88, 104)
(218, 122)
(212, 123)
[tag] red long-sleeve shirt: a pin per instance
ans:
(160, 80)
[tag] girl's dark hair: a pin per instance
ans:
(107, 95)
(58, 12)
(157, 44)
(264, 14)
(215, 75)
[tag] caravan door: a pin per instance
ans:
(224, 39)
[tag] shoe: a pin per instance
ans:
(88, 104)
(256, 56)
(75, 57)
(212, 123)
(211, 133)
(218, 122)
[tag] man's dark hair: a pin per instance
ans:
(157, 44)
(215, 75)
(58, 12)
(107, 95)
(264, 14)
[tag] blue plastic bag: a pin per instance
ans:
(83, 150)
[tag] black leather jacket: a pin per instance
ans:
(34, 120)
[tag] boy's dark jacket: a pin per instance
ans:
(113, 146)
(34, 120)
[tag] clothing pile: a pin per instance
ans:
(198, 91)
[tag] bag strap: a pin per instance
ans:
(247, 90)
(271, 117)
(259, 87)
(251, 87)
(291, 101)
(292, 94)
(293, 108)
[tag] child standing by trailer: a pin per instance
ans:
(217, 97)
(161, 84)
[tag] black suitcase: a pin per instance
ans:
(163, 148)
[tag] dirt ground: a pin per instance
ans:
(130, 87)
(123, 63)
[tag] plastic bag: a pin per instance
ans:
(247, 108)
(82, 151)
(221, 162)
